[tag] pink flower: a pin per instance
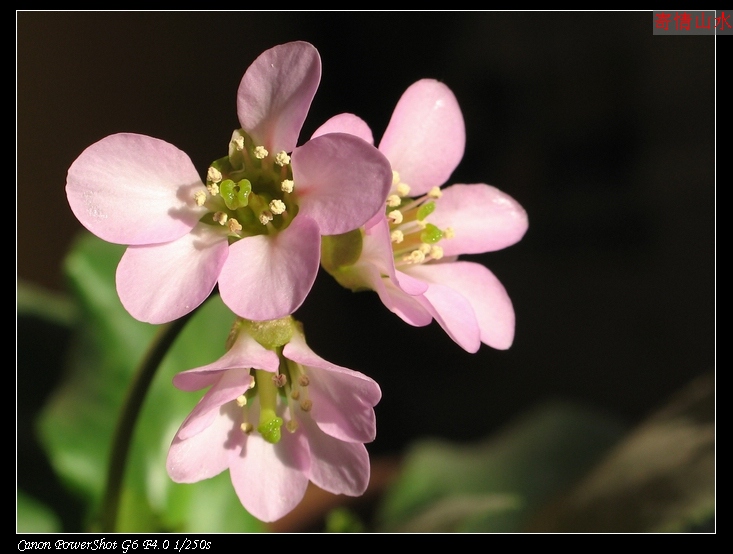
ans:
(276, 418)
(409, 256)
(255, 225)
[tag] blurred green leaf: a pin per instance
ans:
(496, 485)
(78, 424)
(34, 516)
(660, 478)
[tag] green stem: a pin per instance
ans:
(165, 337)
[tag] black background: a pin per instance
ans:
(604, 132)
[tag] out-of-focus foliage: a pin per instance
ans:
(78, 424)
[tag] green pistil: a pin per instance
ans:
(425, 210)
(431, 234)
(235, 195)
(270, 423)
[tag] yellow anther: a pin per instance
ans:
(304, 381)
(213, 175)
(436, 252)
(238, 143)
(279, 379)
(265, 217)
(306, 405)
(449, 233)
(397, 236)
(287, 185)
(246, 427)
(260, 152)
(199, 197)
(241, 401)
(403, 189)
(435, 192)
(277, 206)
(414, 257)
(213, 189)
(234, 226)
(282, 158)
(292, 426)
(424, 248)
(220, 218)
(295, 394)
(393, 201)
(395, 216)
(395, 178)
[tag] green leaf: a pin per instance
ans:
(34, 516)
(496, 485)
(660, 478)
(78, 424)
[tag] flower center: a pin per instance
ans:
(284, 392)
(250, 191)
(414, 239)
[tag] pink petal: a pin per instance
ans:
(454, 314)
(246, 352)
(336, 466)
(489, 300)
(270, 479)
(343, 399)
(346, 123)
(268, 277)
(426, 136)
(208, 453)
(377, 250)
(276, 92)
(341, 181)
(163, 282)
(229, 386)
(483, 218)
(134, 189)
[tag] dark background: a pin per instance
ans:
(602, 131)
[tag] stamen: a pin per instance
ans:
(199, 197)
(214, 175)
(435, 192)
(238, 143)
(436, 252)
(397, 236)
(234, 226)
(213, 189)
(395, 178)
(306, 405)
(282, 158)
(246, 427)
(241, 401)
(277, 206)
(287, 185)
(265, 217)
(403, 189)
(449, 233)
(304, 380)
(295, 394)
(395, 216)
(292, 426)
(279, 379)
(425, 248)
(220, 218)
(260, 152)
(393, 201)
(414, 257)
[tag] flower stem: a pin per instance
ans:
(162, 342)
